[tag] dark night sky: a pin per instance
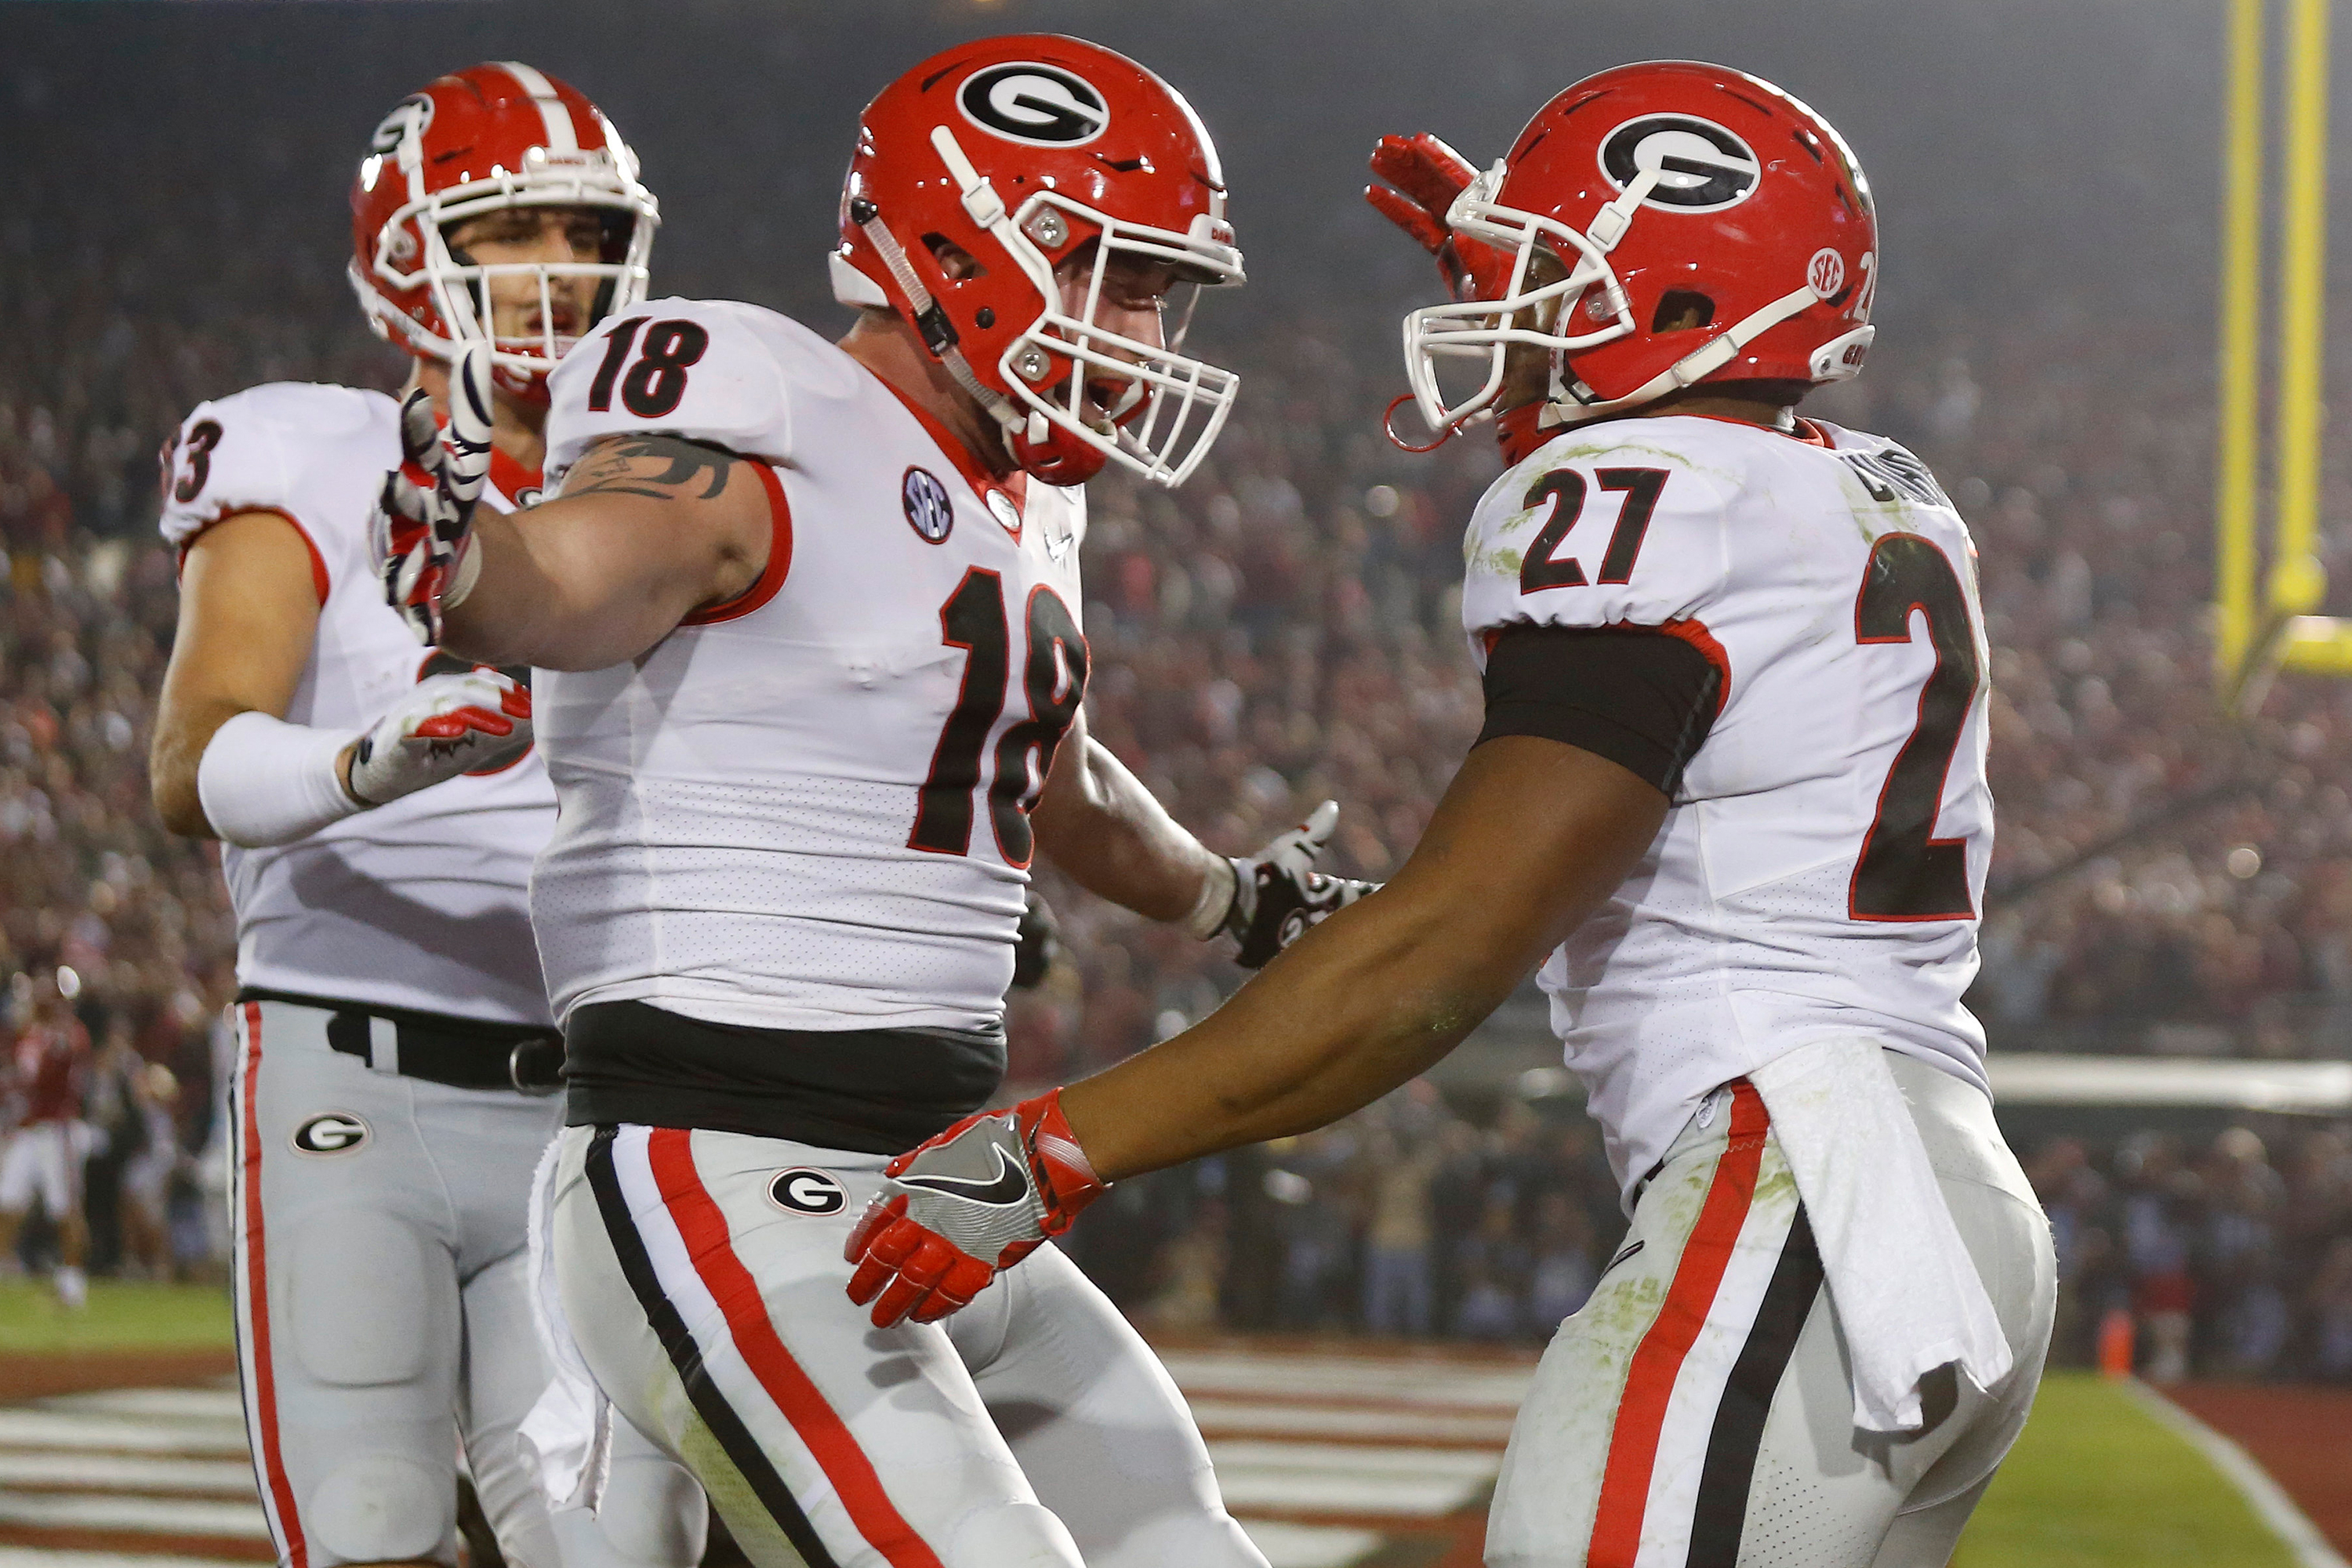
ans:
(2017, 148)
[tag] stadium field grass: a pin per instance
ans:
(2095, 1482)
(122, 1316)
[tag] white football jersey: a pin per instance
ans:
(808, 808)
(420, 902)
(1821, 870)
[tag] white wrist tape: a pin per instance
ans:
(1218, 885)
(264, 782)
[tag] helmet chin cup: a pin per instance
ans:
(1045, 451)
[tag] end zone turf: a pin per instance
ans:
(2098, 1483)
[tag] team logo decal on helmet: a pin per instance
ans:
(1701, 167)
(803, 1191)
(331, 1132)
(412, 117)
(1042, 105)
(929, 512)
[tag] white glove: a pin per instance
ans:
(424, 518)
(1277, 893)
(449, 724)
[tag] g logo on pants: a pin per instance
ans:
(803, 1190)
(331, 1132)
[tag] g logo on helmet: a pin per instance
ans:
(1701, 166)
(331, 1132)
(412, 114)
(803, 1190)
(925, 500)
(1042, 105)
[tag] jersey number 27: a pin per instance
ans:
(1053, 676)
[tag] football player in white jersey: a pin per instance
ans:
(1730, 796)
(805, 616)
(379, 805)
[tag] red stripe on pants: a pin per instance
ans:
(257, 1295)
(670, 1150)
(1658, 1360)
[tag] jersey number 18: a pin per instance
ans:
(1053, 680)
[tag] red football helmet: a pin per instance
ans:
(1654, 192)
(494, 135)
(1024, 151)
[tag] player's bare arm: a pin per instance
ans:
(248, 611)
(1530, 839)
(647, 530)
(1101, 826)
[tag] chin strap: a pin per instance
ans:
(938, 332)
(1688, 370)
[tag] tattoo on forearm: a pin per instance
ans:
(623, 467)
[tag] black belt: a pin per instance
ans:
(463, 1053)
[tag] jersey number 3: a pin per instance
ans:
(1905, 871)
(1052, 678)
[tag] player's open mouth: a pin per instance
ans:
(1111, 399)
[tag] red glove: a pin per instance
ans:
(1430, 175)
(956, 1211)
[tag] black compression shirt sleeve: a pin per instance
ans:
(1643, 699)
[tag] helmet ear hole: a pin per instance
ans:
(1682, 310)
(957, 264)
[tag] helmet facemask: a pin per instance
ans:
(1174, 405)
(413, 249)
(1538, 305)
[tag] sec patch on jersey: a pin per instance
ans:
(929, 512)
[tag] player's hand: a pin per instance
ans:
(1040, 939)
(956, 1211)
(447, 725)
(1278, 893)
(1430, 175)
(424, 515)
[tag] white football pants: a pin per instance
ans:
(1699, 1413)
(384, 1314)
(702, 1273)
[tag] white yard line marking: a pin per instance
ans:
(25, 1429)
(1245, 1417)
(1333, 1477)
(1285, 1545)
(1453, 1464)
(155, 1515)
(43, 1557)
(168, 1404)
(1333, 1377)
(126, 1472)
(2264, 1496)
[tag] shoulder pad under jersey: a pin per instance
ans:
(716, 370)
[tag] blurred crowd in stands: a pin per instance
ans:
(1282, 630)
